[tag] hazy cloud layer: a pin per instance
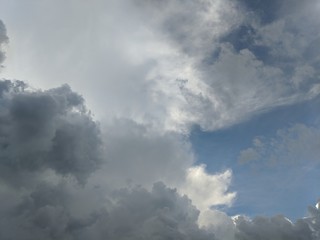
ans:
(132, 149)
(293, 146)
(48, 138)
(46, 213)
(3, 40)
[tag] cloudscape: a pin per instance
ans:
(159, 119)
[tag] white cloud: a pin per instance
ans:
(248, 155)
(295, 145)
(131, 54)
(208, 190)
(219, 223)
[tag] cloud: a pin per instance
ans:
(3, 40)
(208, 190)
(138, 155)
(219, 223)
(186, 64)
(292, 146)
(157, 77)
(163, 212)
(248, 155)
(46, 130)
(277, 227)
(50, 205)
(134, 214)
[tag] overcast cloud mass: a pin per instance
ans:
(99, 102)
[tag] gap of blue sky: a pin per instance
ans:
(262, 189)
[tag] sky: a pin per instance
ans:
(149, 119)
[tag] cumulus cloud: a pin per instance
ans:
(46, 130)
(222, 80)
(161, 213)
(181, 68)
(195, 26)
(47, 136)
(278, 227)
(208, 190)
(46, 213)
(48, 139)
(211, 63)
(132, 149)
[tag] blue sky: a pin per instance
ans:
(264, 190)
(221, 149)
(166, 119)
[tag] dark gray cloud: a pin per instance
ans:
(3, 40)
(277, 227)
(133, 214)
(48, 213)
(42, 130)
(236, 62)
(158, 214)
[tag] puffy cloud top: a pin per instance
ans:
(49, 135)
(46, 130)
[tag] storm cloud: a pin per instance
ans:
(48, 138)
(63, 176)
(161, 213)
(278, 227)
(43, 130)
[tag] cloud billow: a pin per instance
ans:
(51, 130)
(48, 138)
(46, 130)
(160, 213)
(277, 227)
